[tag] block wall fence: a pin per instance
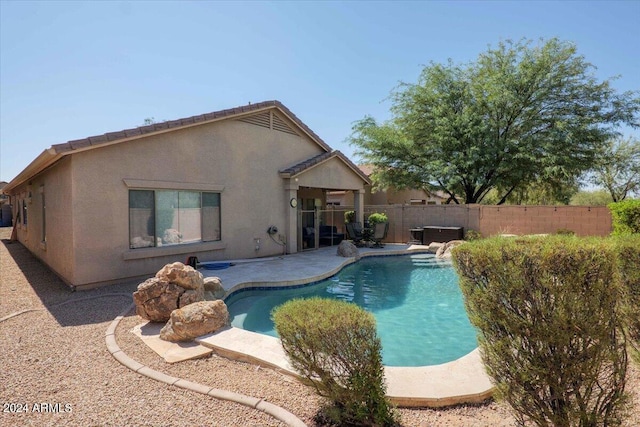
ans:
(492, 220)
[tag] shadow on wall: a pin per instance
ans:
(22, 270)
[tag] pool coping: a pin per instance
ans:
(463, 380)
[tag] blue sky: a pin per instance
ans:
(70, 70)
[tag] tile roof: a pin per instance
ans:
(296, 169)
(306, 164)
(53, 154)
(111, 137)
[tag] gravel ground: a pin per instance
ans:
(54, 363)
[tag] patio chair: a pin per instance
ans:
(379, 234)
(354, 232)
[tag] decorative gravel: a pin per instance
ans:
(56, 370)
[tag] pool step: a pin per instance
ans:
(430, 262)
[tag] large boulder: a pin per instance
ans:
(434, 246)
(195, 320)
(347, 249)
(444, 251)
(213, 288)
(175, 286)
(182, 275)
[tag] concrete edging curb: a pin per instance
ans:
(277, 412)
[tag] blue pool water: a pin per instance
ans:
(415, 299)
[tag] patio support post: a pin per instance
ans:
(358, 203)
(291, 192)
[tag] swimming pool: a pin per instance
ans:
(415, 299)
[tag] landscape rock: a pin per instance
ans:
(347, 249)
(175, 286)
(213, 288)
(182, 275)
(434, 246)
(195, 320)
(444, 251)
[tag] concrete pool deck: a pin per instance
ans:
(461, 381)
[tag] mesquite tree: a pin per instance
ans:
(618, 168)
(518, 114)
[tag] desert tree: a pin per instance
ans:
(618, 168)
(520, 113)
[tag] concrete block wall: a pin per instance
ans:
(402, 218)
(582, 220)
(492, 220)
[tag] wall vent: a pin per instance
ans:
(269, 120)
(263, 119)
(282, 126)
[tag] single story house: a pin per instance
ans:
(389, 196)
(221, 186)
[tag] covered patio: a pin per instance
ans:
(310, 223)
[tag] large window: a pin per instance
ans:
(167, 217)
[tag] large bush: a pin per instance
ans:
(335, 348)
(626, 217)
(550, 326)
(628, 251)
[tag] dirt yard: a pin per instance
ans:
(56, 369)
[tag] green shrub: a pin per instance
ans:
(550, 326)
(626, 217)
(376, 218)
(350, 216)
(334, 346)
(471, 234)
(628, 251)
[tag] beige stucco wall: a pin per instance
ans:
(242, 158)
(58, 250)
(331, 174)
(386, 197)
(87, 197)
(395, 197)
